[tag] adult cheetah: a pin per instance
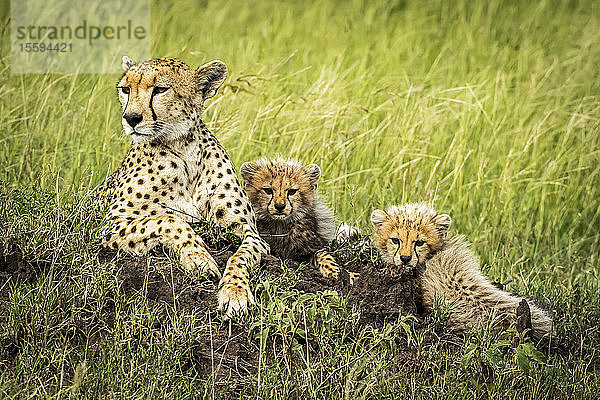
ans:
(177, 171)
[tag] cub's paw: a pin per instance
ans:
(326, 264)
(200, 260)
(330, 270)
(234, 298)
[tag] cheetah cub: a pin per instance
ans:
(413, 236)
(289, 214)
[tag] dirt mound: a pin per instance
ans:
(381, 297)
(225, 352)
(163, 280)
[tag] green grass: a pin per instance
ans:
(492, 109)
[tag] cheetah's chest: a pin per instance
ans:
(159, 179)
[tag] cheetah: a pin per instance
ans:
(414, 237)
(177, 171)
(289, 213)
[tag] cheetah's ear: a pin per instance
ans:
(247, 171)
(127, 63)
(210, 77)
(313, 172)
(442, 222)
(378, 217)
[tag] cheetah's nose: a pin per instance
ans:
(133, 119)
(279, 207)
(405, 259)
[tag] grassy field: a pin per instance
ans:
(489, 108)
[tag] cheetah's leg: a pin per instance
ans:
(324, 261)
(227, 204)
(235, 294)
(141, 235)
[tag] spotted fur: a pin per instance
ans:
(414, 236)
(176, 171)
(290, 214)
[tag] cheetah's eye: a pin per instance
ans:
(396, 241)
(159, 89)
(419, 242)
(268, 191)
(292, 192)
(124, 89)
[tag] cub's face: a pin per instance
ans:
(408, 235)
(280, 189)
(162, 99)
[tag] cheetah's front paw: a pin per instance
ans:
(234, 298)
(193, 260)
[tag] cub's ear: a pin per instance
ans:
(442, 222)
(314, 173)
(378, 217)
(210, 77)
(127, 63)
(247, 171)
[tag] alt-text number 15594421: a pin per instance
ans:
(41, 47)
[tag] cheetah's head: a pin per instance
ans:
(408, 235)
(281, 189)
(161, 99)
